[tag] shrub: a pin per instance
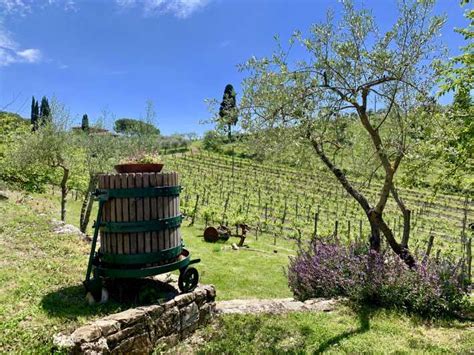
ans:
(329, 270)
(212, 141)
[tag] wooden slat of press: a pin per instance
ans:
(178, 232)
(154, 213)
(146, 213)
(132, 213)
(166, 211)
(118, 214)
(113, 217)
(125, 213)
(139, 216)
(174, 239)
(107, 215)
(159, 207)
(102, 234)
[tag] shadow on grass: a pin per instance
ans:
(363, 314)
(70, 302)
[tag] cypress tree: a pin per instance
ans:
(45, 111)
(36, 114)
(85, 123)
(227, 111)
(33, 117)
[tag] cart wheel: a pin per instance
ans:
(188, 279)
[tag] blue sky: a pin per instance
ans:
(114, 55)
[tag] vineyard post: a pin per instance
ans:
(284, 214)
(316, 217)
(233, 162)
(266, 213)
(464, 222)
(438, 253)
(336, 226)
(429, 246)
(225, 207)
(296, 206)
(469, 259)
(349, 229)
(195, 210)
(259, 198)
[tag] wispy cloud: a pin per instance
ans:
(24, 7)
(11, 52)
(179, 8)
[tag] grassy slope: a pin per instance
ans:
(41, 294)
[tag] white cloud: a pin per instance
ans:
(10, 51)
(23, 7)
(31, 55)
(15, 6)
(179, 8)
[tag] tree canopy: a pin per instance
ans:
(133, 127)
(349, 67)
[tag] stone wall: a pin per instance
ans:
(140, 330)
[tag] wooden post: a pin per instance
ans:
(349, 229)
(336, 226)
(195, 211)
(464, 222)
(469, 259)
(429, 246)
(316, 217)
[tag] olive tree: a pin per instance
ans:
(347, 66)
(55, 148)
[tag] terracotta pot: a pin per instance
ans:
(139, 168)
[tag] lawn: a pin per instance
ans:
(41, 294)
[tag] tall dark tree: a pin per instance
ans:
(85, 122)
(45, 111)
(228, 109)
(34, 115)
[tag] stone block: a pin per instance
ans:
(86, 334)
(116, 338)
(189, 315)
(128, 317)
(138, 344)
(107, 327)
(184, 299)
(154, 311)
(200, 294)
(168, 323)
(210, 292)
(94, 348)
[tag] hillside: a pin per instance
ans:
(284, 202)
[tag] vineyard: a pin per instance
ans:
(293, 205)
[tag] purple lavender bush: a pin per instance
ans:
(327, 269)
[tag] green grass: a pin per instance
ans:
(41, 294)
(340, 331)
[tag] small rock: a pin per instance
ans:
(3, 196)
(234, 246)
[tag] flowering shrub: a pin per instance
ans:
(330, 270)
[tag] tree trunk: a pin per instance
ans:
(229, 132)
(87, 204)
(377, 220)
(64, 192)
(374, 239)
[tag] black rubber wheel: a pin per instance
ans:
(188, 279)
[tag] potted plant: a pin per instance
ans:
(141, 163)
